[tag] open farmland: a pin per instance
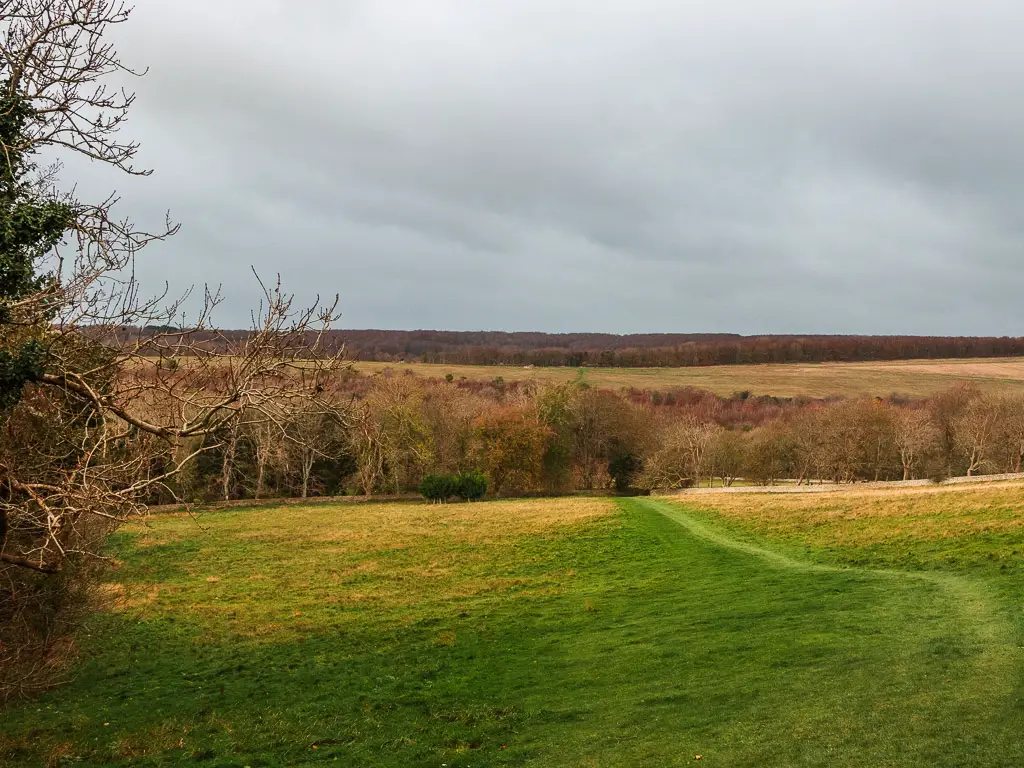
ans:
(830, 630)
(911, 377)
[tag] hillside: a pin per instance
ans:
(836, 630)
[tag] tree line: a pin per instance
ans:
(626, 351)
(659, 350)
(398, 430)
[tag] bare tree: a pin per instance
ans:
(974, 431)
(313, 434)
(265, 437)
(769, 454)
(448, 413)
(915, 435)
(601, 423)
(1009, 437)
(393, 444)
(98, 412)
(945, 409)
(808, 433)
(728, 455)
(681, 456)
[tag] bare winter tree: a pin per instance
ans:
(946, 409)
(682, 456)
(769, 454)
(601, 422)
(915, 436)
(808, 432)
(1010, 431)
(97, 412)
(448, 416)
(728, 455)
(974, 431)
(392, 442)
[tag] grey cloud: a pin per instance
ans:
(795, 166)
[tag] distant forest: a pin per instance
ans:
(641, 350)
(656, 349)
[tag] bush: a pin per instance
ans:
(623, 468)
(470, 486)
(41, 613)
(438, 488)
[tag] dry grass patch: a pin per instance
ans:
(267, 572)
(362, 527)
(864, 517)
(389, 526)
(365, 527)
(909, 377)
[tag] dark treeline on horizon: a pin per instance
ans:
(640, 350)
(657, 349)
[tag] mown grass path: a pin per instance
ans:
(641, 638)
(972, 610)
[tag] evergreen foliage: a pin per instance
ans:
(31, 225)
(471, 486)
(468, 486)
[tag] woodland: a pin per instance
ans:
(643, 350)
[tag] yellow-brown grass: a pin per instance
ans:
(865, 517)
(367, 527)
(272, 572)
(911, 377)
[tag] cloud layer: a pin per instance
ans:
(852, 166)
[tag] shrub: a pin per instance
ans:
(470, 486)
(622, 468)
(438, 488)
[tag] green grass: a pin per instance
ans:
(542, 633)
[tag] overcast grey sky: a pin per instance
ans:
(851, 166)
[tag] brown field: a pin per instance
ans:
(905, 377)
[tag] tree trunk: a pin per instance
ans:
(261, 465)
(308, 457)
(229, 463)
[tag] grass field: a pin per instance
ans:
(911, 377)
(843, 629)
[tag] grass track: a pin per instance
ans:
(972, 607)
(642, 638)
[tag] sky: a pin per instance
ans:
(787, 166)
